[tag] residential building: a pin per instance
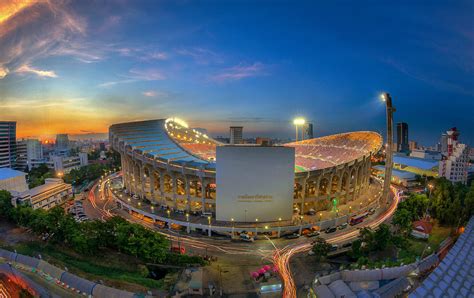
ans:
(402, 137)
(12, 180)
(443, 143)
(455, 163)
(54, 192)
(236, 133)
(7, 144)
(62, 142)
(308, 131)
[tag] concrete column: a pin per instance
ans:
(142, 181)
(339, 183)
(303, 195)
(188, 195)
(203, 194)
(152, 184)
(162, 185)
(318, 183)
(173, 179)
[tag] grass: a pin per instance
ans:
(115, 269)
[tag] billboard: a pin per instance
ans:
(254, 183)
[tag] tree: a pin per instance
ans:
(403, 219)
(382, 237)
(321, 248)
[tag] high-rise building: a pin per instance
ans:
(236, 133)
(455, 162)
(402, 137)
(28, 152)
(62, 141)
(413, 145)
(21, 155)
(443, 144)
(308, 131)
(7, 144)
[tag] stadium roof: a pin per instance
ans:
(7, 173)
(173, 141)
(454, 277)
(421, 163)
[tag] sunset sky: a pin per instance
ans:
(79, 66)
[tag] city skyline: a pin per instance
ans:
(77, 68)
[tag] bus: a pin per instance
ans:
(357, 219)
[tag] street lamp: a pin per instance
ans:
(298, 122)
(169, 212)
(209, 220)
(187, 216)
(430, 186)
(389, 150)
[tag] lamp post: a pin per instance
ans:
(298, 122)
(232, 220)
(430, 186)
(389, 149)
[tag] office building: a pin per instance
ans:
(12, 180)
(7, 144)
(402, 137)
(443, 144)
(236, 133)
(308, 131)
(454, 164)
(64, 164)
(62, 142)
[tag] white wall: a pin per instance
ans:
(254, 182)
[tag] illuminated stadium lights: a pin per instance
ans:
(299, 122)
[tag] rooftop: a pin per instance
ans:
(421, 163)
(7, 173)
(45, 187)
(398, 173)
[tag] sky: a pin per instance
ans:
(80, 66)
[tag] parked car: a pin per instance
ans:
(343, 226)
(371, 211)
(348, 244)
(313, 234)
(330, 230)
(334, 247)
(292, 236)
(311, 212)
(246, 237)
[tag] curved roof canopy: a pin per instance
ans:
(173, 141)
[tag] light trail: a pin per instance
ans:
(281, 258)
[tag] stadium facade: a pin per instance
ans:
(172, 165)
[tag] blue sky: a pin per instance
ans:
(81, 66)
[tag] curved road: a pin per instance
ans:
(101, 199)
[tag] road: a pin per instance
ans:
(278, 251)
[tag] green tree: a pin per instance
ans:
(403, 219)
(382, 237)
(321, 248)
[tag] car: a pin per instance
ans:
(371, 211)
(310, 253)
(292, 236)
(343, 226)
(246, 238)
(311, 212)
(334, 247)
(348, 244)
(330, 230)
(313, 234)
(179, 211)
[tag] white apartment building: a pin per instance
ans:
(454, 164)
(12, 180)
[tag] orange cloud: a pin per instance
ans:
(10, 8)
(41, 73)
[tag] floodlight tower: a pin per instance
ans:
(389, 146)
(299, 122)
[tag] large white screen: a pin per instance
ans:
(254, 182)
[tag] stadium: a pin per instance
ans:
(174, 166)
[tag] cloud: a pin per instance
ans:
(240, 71)
(33, 30)
(136, 75)
(3, 72)
(41, 73)
(201, 55)
(149, 93)
(440, 84)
